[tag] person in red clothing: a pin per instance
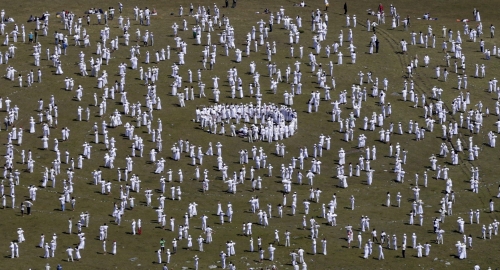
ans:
(139, 227)
(380, 8)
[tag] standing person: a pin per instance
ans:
(174, 246)
(133, 226)
(427, 247)
(374, 235)
(70, 225)
(77, 253)
(367, 251)
(271, 252)
(323, 242)
(12, 250)
(345, 8)
(159, 255)
(381, 252)
(73, 203)
(139, 227)
(403, 250)
(162, 245)
(196, 259)
(349, 236)
(113, 250)
(28, 207)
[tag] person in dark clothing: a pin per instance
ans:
(345, 8)
(227, 3)
(234, 4)
(376, 45)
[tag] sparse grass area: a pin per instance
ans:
(140, 251)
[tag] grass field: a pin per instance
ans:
(140, 251)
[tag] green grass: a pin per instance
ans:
(139, 251)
